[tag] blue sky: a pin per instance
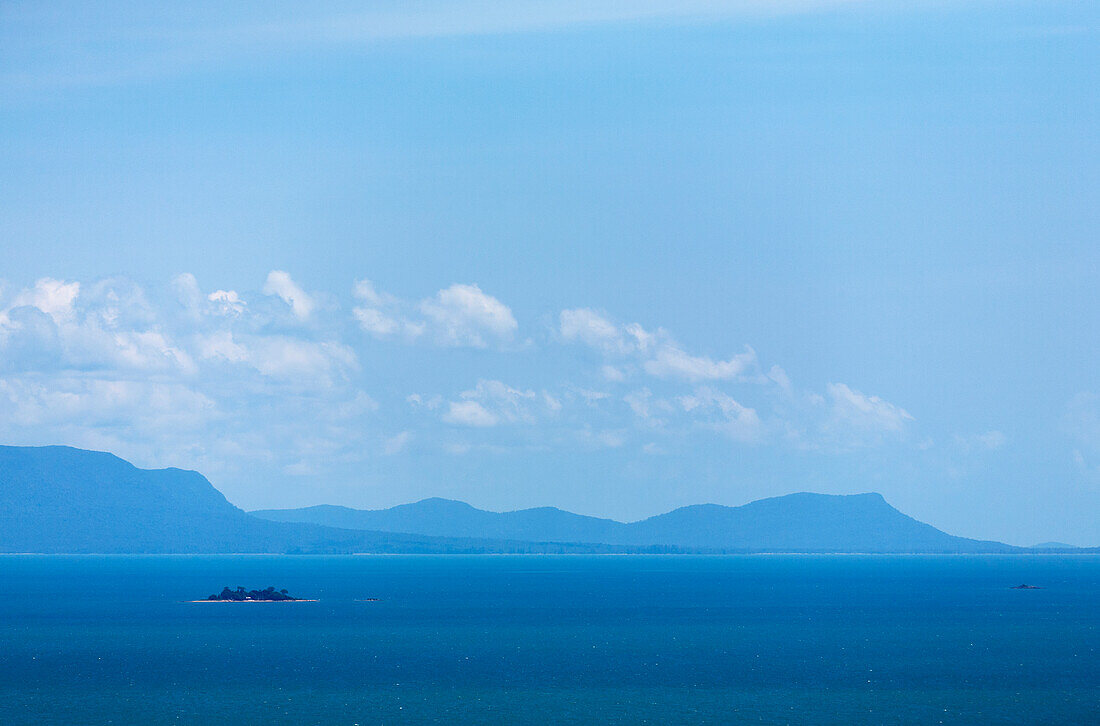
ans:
(613, 257)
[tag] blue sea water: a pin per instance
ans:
(551, 640)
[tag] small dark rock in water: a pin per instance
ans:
(1026, 587)
(241, 595)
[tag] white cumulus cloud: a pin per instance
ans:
(464, 315)
(493, 402)
(723, 413)
(672, 362)
(376, 322)
(97, 364)
(457, 316)
(281, 284)
(593, 329)
(469, 413)
(656, 352)
(865, 413)
(227, 302)
(53, 297)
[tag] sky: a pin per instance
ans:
(612, 257)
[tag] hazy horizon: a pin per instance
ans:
(610, 258)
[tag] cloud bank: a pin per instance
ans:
(459, 315)
(278, 378)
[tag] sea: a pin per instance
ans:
(544, 639)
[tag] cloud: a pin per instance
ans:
(220, 303)
(780, 378)
(280, 283)
(227, 302)
(220, 345)
(593, 329)
(376, 322)
(841, 419)
(853, 419)
(29, 340)
(430, 402)
(301, 361)
(304, 363)
(639, 403)
(865, 412)
(464, 315)
(364, 290)
(704, 407)
(658, 354)
(95, 363)
(70, 401)
(469, 413)
(507, 404)
(108, 325)
(671, 362)
(381, 314)
(146, 350)
(492, 402)
(721, 412)
(53, 297)
(212, 378)
(457, 316)
(225, 329)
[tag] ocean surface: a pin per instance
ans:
(551, 640)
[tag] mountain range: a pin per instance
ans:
(800, 522)
(57, 499)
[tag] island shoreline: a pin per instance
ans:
(241, 601)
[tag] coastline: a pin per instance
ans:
(243, 601)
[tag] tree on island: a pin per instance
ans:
(241, 595)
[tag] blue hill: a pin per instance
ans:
(59, 499)
(56, 499)
(794, 523)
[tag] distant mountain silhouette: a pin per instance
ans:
(1054, 546)
(436, 516)
(793, 523)
(59, 499)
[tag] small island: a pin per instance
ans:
(1025, 587)
(269, 594)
